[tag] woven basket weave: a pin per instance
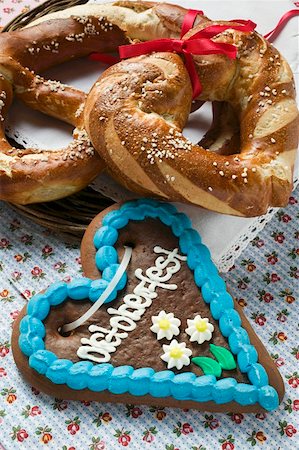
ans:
(71, 215)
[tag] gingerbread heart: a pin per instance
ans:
(162, 329)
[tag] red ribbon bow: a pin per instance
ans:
(198, 44)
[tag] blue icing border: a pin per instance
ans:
(118, 380)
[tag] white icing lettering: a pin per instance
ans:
(104, 341)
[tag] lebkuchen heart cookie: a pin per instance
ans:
(164, 329)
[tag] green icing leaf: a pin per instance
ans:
(208, 365)
(224, 356)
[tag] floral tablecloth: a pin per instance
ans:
(9, 9)
(264, 280)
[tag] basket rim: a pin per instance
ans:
(41, 10)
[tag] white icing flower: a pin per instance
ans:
(199, 330)
(176, 355)
(165, 325)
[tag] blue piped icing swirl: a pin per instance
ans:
(126, 379)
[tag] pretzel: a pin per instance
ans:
(136, 111)
(35, 175)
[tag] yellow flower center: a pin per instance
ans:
(164, 324)
(176, 353)
(201, 326)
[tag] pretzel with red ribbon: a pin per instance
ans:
(137, 110)
(35, 175)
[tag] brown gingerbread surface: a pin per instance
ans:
(141, 348)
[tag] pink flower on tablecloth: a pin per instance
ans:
(283, 217)
(60, 267)
(271, 278)
(5, 244)
(265, 296)
(259, 318)
(272, 258)
(4, 348)
(243, 283)
(97, 444)
(18, 433)
(275, 277)
(86, 402)
(282, 316)
(261, 416)
(37, 272)
(296, 405)
(73, 426)
(35, 411)
(237, 418)
(133, 411)
(27, 294)
(293, 200)
(149, 434)
(227, 446)
(290, 430)
(293, 380)
(287, 429)
(59, 404)
(278, 360)
(295, 352)
(7, 10)
(291, 405)
(47, 251)
(123, 437)
(16, 276)
(31, 411)
(227, 443)
(3, 372)
(67, 279)
(257, 242)
(278, 237)
(187, 428)
(211, 422)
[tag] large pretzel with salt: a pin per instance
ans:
(34, 175)
(137, 110)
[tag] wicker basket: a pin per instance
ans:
(71, 215)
